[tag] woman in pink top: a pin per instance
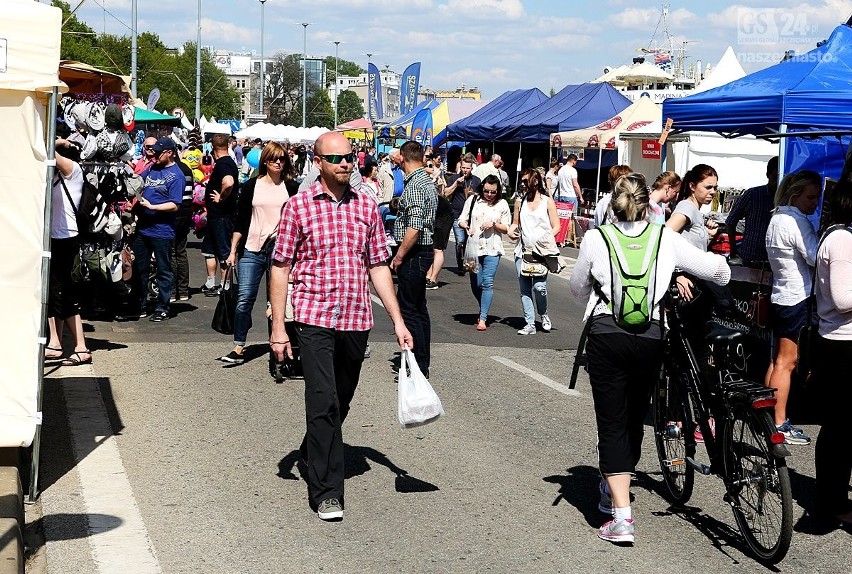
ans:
(255, 228)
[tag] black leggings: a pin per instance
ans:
(622, 372)
(63, 299)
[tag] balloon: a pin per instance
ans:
(253, 157)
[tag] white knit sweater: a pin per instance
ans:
(593, 266)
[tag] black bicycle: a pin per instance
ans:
(744, 448)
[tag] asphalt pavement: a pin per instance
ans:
(158, 458)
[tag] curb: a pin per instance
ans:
(11, 518)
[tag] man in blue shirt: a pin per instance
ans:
(155, 228)
(755, 205)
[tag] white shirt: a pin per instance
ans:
(63, 222)
(593, 266)
(534, 224)
(566, 176)
(791, 244)
(834, 286)
(490, 240)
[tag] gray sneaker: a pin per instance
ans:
(330, 509)
(793, 435)
(528, 330)
(621, 531)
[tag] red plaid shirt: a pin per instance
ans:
(330, 247)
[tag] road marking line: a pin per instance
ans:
(117, 533)
(538, 377)
(376, 300)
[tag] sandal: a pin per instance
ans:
(76, 358)
(53, 357)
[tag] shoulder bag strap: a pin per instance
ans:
(67, 194)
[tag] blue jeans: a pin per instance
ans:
(142, 248)
(482, 283)
(461, 236)
(530, 285)
(411, 293)
(250, 268)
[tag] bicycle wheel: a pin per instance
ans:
(672, 428)
(759, 485)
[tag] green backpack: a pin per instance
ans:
(633, 265)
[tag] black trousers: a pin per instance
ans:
(180, 260)
(832, 453)
(331, 361)
(622, 372)
(63, 296)
(411, 294)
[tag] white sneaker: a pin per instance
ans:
(528, 330)
(545, 324)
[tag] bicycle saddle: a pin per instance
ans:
(717, 333)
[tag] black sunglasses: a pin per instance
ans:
(336, 158)
(148, 147)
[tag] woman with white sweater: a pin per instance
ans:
(622, 364)
(834, 362)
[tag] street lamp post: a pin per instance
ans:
(198, 67)
(262, 62)
(336, 82)
(134, 49)
(305, 72)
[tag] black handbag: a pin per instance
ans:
(223, 316)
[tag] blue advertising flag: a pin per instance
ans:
(421, 127)
(408, 88)
(374, 80)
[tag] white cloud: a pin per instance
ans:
(485, 9)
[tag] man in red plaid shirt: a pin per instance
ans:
(331, 240)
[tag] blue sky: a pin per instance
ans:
(495, 45)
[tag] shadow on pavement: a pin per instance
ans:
(67, 527)
(579, 488)
(357, 460)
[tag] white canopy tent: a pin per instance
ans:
(279, 133)
(29, 72)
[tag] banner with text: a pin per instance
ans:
(421, 127)
(408, 88)
(375, 89)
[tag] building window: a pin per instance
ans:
(242, 114)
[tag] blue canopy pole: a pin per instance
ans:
(782, 153)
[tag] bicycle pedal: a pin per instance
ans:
(699, 466)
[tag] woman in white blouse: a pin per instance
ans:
(833, 363)
(623, 365)
(791, 244)
(485, 218)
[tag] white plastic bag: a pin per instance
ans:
(471, 254)
(418, 402)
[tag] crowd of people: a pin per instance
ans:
(323, 221)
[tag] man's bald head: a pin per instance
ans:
(331, 140)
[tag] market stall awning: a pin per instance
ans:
(143, 116)
(641, 116)
(85, 79)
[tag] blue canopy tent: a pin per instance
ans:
(475, 127)
(398, 127)
(812, 91)
(572, 108)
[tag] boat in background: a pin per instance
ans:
(660, 72)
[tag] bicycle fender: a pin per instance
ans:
(780, 450)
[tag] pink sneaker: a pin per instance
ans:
(621, 531)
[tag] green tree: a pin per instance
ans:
(349, 106)
(319, 110)
(344, 68)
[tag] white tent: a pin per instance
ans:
(29, 70)
(279, 133)
(727, 70)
